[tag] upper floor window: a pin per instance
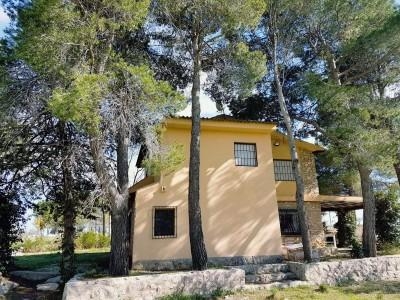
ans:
(245, 154)
(164, 222)
(283, 170)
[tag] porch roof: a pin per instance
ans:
(334, 203)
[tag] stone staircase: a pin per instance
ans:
(269, 275)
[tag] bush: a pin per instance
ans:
(346, 227)
(39, 244)
(387, 217)
(90, 239)
(11, 212)
(356, 249)
(390, 249)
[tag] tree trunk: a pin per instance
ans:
(119, 258)
(369, 237)
(69, 209)
(397, 169)
(396, 166)
(305, 233)
(103, 217)
(197, 246)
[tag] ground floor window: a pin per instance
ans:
(289, 221)
(164, 222)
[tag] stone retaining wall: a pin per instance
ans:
(146, 287)
(374, 268)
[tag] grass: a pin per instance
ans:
(390, 249)
(356, 291)
(386, 290)
(98, 257)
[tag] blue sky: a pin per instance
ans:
(4, 20)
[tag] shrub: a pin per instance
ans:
(323, 288)
(356, 249)
(39, 244)
(90, 239)
(387, 217)
(390, 249)
(346, 227)
(11, 212)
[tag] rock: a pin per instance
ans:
(6, 286)
(366, 269)
(34, 275)
(154, 286)
(56, 279)
(48, 287)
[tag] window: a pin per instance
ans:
(164, 222)
(245, 154)
(283, 170)
(289, 221)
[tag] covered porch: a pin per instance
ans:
(323, 237)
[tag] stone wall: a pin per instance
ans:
(374, 268)
(148, 287)
(313, 210)
(307, 162)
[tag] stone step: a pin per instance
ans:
(279, 284)
(270, 277)
(263, 268)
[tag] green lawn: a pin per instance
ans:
(355, 291)
(98, 257)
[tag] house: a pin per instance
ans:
(247, 197)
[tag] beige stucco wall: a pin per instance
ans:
(239, 205)
(313, 211)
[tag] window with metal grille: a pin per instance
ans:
(283, 170)
(245, 154)
(164, 222)
(289, 221)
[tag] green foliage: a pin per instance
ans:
(166, 161)
(39, 244)
(90, 239)
(11, 212)
(215, 14)
(358, 126)
(79, 102)
(180, 296)
(143, 87)
(232, 67)
(356, 249)
(322, 288)
(346, 226)
(389, 249)
(86, 240)
(243, 69)
(388, 217)
(45, 211)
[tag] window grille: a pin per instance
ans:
(164, 222)
(283, 170)
(245, 154)
(289, 221)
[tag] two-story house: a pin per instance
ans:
(247, 196)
